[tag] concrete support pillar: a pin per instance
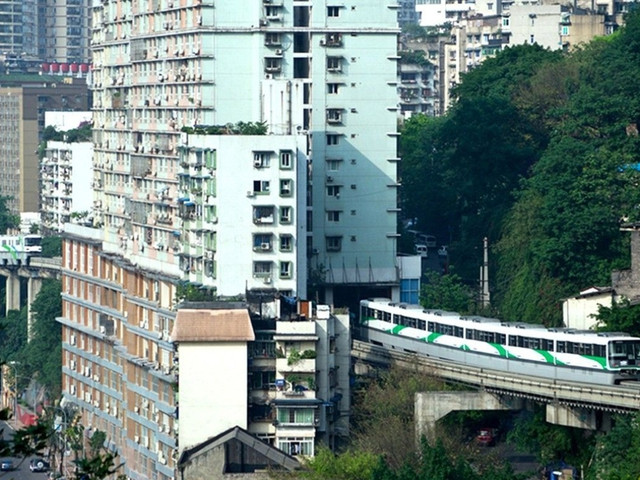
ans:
(572, 416)
(432, 406)
(34, 286)
(13, 292)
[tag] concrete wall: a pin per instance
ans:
(213, 390)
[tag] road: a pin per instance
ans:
(22, 471)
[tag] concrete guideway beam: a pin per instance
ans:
(568, 416)
(429, 407)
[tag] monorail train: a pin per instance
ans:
(16, 249)
(519, 348)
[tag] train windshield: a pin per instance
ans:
(624, 353)
(33, 241)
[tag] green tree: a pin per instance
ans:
(52, 247)
(446, 292)
(617, 452)
(13, 329)
(44, 350)
(620, 317)
(8, 220)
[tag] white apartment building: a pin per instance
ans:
(239, 193)
(66, 175)
(177, 213)
(179, 65)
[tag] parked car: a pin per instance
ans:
(38, 465)
(486, 437)
(6, 464)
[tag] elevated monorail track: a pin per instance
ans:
(623, 398)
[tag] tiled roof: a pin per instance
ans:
(197, 325)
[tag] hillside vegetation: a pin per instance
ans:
(540, 154)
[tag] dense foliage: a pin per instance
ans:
(540, 154)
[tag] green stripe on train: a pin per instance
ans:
(503, 352)
(600, 360)
(550, 358)
(397, 329)
(12, 251)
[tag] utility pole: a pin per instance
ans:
(484, 275)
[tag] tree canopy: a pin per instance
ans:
(539, 153)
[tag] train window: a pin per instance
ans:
(501, 338)
(599, 350)
(485, 336)
(470, 333)
(432, 326)
(458, 332)
(561, 347)
(513, 340)
(546, 344)
(529, 342)
(386, 316)
(422, 325)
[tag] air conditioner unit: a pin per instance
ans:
(136, 438)
(278, 52)
(257, 163)
(72, 364)
(265, 246)
(146, 442)
(329, 179)
(267, 280)
(96, 403)
(72, 389)
(103, 329)
(263, 22)
(136, 409)
(323, 42)
(162, 460)
(250, 193)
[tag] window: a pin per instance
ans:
(272, 64)
(333, 11)
(286, 243)
(261, 186)
(505, 21)
(532, 39)
(272, 38)
(285, 269)
(333, 88)
(261, 269)
(263, 214)
(333, 191)
(332, 139)
(286, 187)
(333, 165)
(334, 64)
(285, 215)
(262, 241)
(334, 243)
(334, 115)
(261, 159)
(333, 215)
(333, 39)
(564, 30)
(285, 159)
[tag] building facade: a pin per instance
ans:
(178, 65)
(23, 102)
(66, 175)
(159, 376)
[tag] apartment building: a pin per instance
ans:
(66, 193)
(51, 30)
(192, 198)
(178, 65)
(158, 375)
(23, 103)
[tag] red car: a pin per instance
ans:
(486, 437)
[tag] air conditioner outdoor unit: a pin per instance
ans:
(257, 163)
(267, 280)
(265, 246)
(278, 52)
(136, 438)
